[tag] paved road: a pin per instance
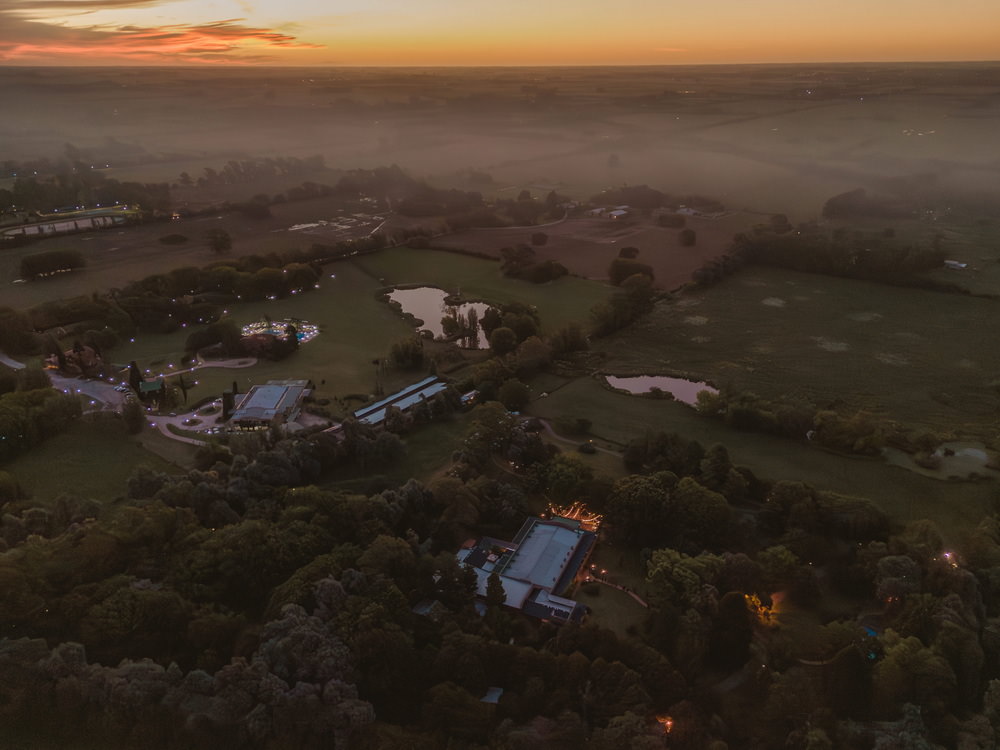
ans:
(11, 363)
(554, 434)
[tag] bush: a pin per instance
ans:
(687, 237)
(621, 268)
(538, 239)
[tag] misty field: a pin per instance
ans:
(920, 358)
(904, 495)
(765, 138)
(586, 246)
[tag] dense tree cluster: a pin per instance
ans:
(235, 604)
(32, 411)
(241, 171)
(635, 298)
(520, 262)
(858, 255)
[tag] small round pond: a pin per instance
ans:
(427, 303)
(685, 391)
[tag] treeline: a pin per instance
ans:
(858, 255)
(860, 433)
(867, 256)
(635, 297)
(240, 171)
(82, 187)
(48, 263)
(520, 262)
(31, 411)
(646, 198)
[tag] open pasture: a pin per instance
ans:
(559, 302)
(586, 246)
(920, 358)
(904, 495)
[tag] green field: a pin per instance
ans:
(355, 329)
(91, 460)
(559, 302)
(904, 495)
(919, 358)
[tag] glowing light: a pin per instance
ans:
(577, 511)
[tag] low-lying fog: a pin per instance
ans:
(762, 138)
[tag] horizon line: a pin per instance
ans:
(249, 65)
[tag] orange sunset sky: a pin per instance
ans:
(494, 32)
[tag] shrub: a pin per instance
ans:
(621, 268)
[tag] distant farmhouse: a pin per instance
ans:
(277, 402)
(536, 568)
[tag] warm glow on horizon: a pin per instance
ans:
(518, 32)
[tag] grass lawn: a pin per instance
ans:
(93, 460)
(902, 494)
(611, 608)
(566, 300)
(920, 358)
(355, 329)
(428, 451)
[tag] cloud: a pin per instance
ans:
(29, 40)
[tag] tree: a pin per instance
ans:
(514, 394)
(569, 338)
(621, 268)
(134, 416)
(408, 353)
(495, 594)
(503, 341)
(219, 240)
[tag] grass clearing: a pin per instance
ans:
(355, 328)
(93, 459)
(904, 495)
(920, 358)
(563, 301)
(611, 608)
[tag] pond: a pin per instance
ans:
(428, 304)
(954, 459)
(685, 391)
